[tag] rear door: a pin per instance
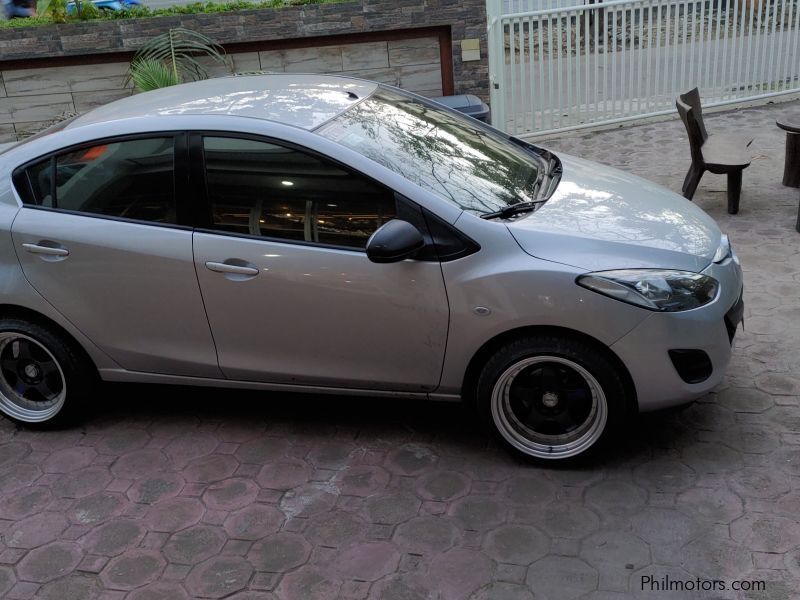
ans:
(104, 236)
(290, 293)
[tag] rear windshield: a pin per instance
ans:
(454, 156)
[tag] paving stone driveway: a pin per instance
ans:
(170, 494)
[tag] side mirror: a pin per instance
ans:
(394, 241)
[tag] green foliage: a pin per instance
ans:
(173, 57)
(57, 10)
(148, 74)
(86, 10)
(47, 18)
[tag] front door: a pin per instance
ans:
(99, 237)
(289, 291)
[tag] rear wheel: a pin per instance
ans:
(44, 379)
(551, 398)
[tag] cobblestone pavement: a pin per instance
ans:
(170, 494)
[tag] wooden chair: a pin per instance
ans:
(719, 153)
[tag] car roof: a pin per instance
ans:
(305, 101)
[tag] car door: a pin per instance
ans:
(100, 237)
(289, 291)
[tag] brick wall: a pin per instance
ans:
(45, 71)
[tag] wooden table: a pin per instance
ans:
(790, 123)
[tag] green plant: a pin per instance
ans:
(148, 74)
(137, 12)
(172, 57)
(57, 10)
(86, 10)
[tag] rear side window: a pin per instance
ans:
(40, 179)
(132, 179)
(262, 189)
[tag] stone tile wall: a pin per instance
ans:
(33, 91)
(30, 98)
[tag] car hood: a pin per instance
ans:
(601, 218)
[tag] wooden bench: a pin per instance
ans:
(719, 153)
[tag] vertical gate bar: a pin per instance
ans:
(735, 38)
(652, 101)
(765, 20)
(708, 48)
(604, 15)
(769, 40)
(777, 77)
(569, 61)
(578, 74)
(717, 47)
(557, 112)
(631, 50)
(670, 33)
(587, 34)
(780, 64)
(586, 15)
(796, 36)
(666, 53)
(588, 88)
(685, 48)
(542, 88)
(532, 73)
(522, 83)
(758, 59)
(550, 65)
(678, 51)
(511, 78)
(623, 30)
(644, 55)
(745, 51)
(614, 64)
(724, 84)
(670, 49)
(790, 33)
(699, 38)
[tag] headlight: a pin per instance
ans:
(667, 291)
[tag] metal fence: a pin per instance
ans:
(562, 68)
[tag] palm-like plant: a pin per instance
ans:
(172, 58)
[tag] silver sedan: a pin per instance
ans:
(333, 235)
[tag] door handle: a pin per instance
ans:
(221, 267)
(48, 250)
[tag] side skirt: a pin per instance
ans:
(122, 375)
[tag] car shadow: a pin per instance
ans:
(452, 427)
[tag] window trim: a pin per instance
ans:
(204, 223)
(180, 176)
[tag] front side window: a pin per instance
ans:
(262, 189)
(132, 179)
(464, 162)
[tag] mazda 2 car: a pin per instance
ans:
(327, 234)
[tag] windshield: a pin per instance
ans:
(454, 156)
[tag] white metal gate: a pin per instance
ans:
(562, 68)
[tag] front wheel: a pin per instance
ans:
(551, 398)
(44, 379)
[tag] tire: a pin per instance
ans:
(552, 398)
(45, 378)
